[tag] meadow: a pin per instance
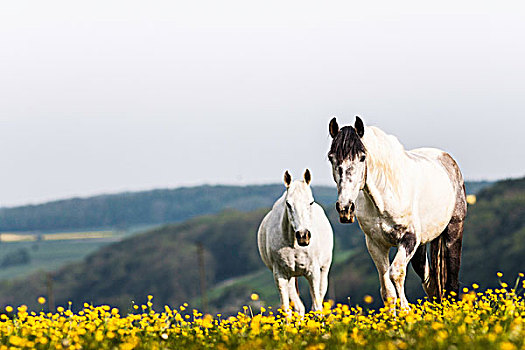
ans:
(494, 318)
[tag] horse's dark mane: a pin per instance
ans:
(346, 144)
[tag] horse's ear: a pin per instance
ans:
(359, 126)
(287, 178)
(307, 176)
(333, 127)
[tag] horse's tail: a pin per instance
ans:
(438, 268)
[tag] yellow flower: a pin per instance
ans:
(507, 346)
(9, 308)
(499, 274)
(254, 296)
(41, 300)
(368, 299)
(15, 340)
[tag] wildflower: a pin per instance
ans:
(368, 299)
(507, 346)
(41, 300)
(254, 296)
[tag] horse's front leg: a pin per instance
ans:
(314, 280)
(379, 254)
(294, 296)
(324, 281)
(406, 249)
(282, 283)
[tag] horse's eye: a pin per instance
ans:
(362, 158)
(312, 203)
(340, 172)
(289, 205)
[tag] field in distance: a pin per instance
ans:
(22, 253)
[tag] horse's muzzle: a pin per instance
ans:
(303, 237)
(346, 213)
(346, 219)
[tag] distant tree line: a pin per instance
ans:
(151, 207)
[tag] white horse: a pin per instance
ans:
(402, 199)
(295, 239)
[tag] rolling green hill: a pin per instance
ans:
(123, 214)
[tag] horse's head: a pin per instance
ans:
(299, 201)
(347, 155)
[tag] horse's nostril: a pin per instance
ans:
(337, 207)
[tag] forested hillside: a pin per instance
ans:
(143, 208)
(495, 236)
(151, 207)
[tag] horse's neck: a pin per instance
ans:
(386, 163)
(286, 227)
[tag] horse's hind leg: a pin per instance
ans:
(294, 296)
(421, 266)
(450, 240)
(453, 236)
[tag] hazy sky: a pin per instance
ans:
(104, 96)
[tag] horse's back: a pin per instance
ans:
(446, 161)
(456, 178)
(441, 187)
